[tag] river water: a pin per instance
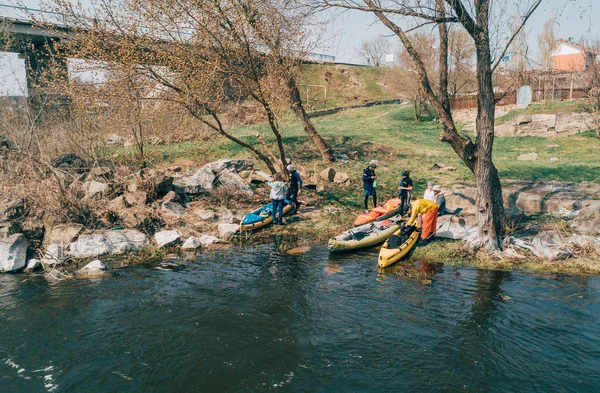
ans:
(256, 320)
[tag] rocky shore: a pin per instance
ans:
(201, 209)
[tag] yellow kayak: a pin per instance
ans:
(367, 235)
(262, 216)
(398, 246)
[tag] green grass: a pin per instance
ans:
(389, 134)
(545, 107)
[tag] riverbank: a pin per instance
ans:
(185, 201)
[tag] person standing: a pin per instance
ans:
(370, 184)
(429, 194)
(425, 213)
(404, 192)
(295, 183)
(277, 198)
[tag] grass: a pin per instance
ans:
(545, 107)
(389, 134)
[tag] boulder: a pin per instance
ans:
(137, 198)
(118, 204)
(259, 177)
(550, 245)
(224, 164)
(588, 219)
(554, 159)
(584, 240)
(109, 242)
(71, 163)
(192, 243)
(528, 157)
(63, 233)
(95, 189)
(173, 208)
(523, 119)
(327, 174)
(12, 209)
(33, 265)
(228, 230)
(458, 228)
(13, 253)
(90, 246)
(232, 180)
(54, 254)
(529, 203)
(94, 268)
(167, 238)
(341, 178)
(206, 215)
(162, 184)
(114, 139)
(207, 240)
(229, 217)
(171, 196)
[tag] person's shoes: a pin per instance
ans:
(366, 211)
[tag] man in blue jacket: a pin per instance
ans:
(370, 184)
(295, 184)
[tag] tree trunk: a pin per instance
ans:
(417, 106)
(309, 128)
(489, 195)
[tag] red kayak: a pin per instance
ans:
(389, 209)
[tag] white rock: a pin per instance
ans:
(89, 246)
(550, 245)
(228, 230)
(94, 266)
(33, 264)
(457, 228)
(528, 157)
(229, 217)
(206, 215)
(173, 208)
(207, 240)
(126, 241)
(13, 251)
(167, 238)
(233, 180)
(95, 188)
(54, 254)
(64, 233)
(192, 243)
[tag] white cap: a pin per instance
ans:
(437, 188)
(290, 168)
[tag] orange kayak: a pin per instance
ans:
(390, 208)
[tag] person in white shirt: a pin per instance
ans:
(429, 193)
(277, 198)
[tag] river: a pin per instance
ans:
(252, 320)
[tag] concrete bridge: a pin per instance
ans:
(37, 45)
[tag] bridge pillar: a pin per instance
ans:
(45, 71)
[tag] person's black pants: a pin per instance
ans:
(292, 195)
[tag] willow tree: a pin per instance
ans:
(475, 17)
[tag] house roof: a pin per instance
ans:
(582, 48)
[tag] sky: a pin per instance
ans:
(346, 30)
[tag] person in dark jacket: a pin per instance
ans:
(404, 191)
(295, 185)
(370, 184)
(440, 200)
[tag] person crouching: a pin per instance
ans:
(425, 213)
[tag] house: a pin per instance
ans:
(572, 57)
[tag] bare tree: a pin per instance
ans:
(547, 43)
(460, 63)
(474, 18)
(374, 50)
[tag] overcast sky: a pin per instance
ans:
(575, 18)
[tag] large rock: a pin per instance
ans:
(588, 219)
(529, 203)
(162, 184)
(228, 230)
(224, 164)
(207, 240)
(33, 265)
(13, 253)
(341, 178)
(95, 189)
(528, 157)
(173, 209)
(109, 242)
(206, 215)
(327, 174)
(259, 177)
(229, 217)
(232, 180)
(63, 233)
(523, 119)
(54, 254)
(93, 269)
(192, 243)
(550, 245)
(199, 183)
(167, 238)
(458, 228)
